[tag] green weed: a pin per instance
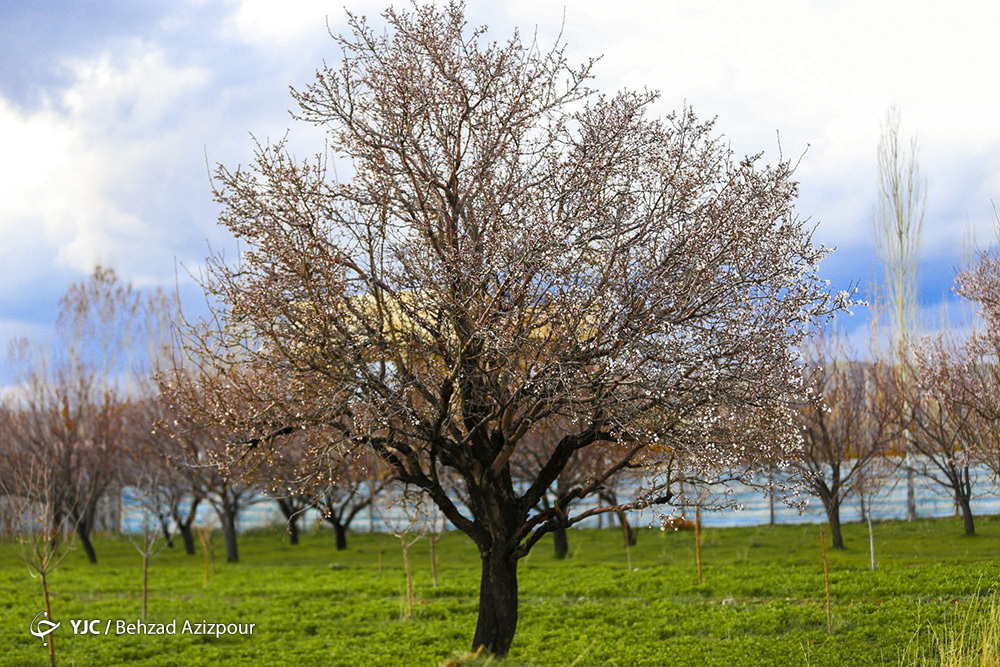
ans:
(761, 602)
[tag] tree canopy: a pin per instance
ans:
(514, 254)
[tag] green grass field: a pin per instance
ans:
(761, 603)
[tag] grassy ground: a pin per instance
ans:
(761, 603)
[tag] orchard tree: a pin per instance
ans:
(975, 380)
(850, 419)
(307, 474)
(179, 491)
(199, 455)
(946, 426)
(958, 386)
(71, 402)
(512, 250)
(531, 455)
(202, 461)
(351, 483)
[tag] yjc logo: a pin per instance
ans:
(42, 628)
(83, 626)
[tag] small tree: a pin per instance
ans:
(60, 424)
(872, 483)
(29, 492)
(72, 401)
(147, 540)
(353, 481)
(512, 250)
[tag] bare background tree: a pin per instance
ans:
(897, 224)
(70, 402)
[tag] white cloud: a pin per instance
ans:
(282, 26)
(821, 73)
(112, 168)
(78, 168)
(143, 89)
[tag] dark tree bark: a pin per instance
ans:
(832, 505)
(341, 532)
(184, 524)
(559, 538)
(561, 543)
(227, 516)
(165, 527)
(967, 518)
(188, 536)
(964, 496)
(339, 529)
(83, 532)
(292, 514)
(497, 621)
(340, 510)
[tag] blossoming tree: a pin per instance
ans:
(511, 250)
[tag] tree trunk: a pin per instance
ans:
(83, 531)
(697, 538)
(967, 519)
(409, 577)
(770, 495)
(561, 543)
(497, 602)
(292, 515)
(434, 563)
(340, 530)
(559, 537)
(833, 515)
(228, 518)
(165, 527)
(184, 525)
(49, 639)
(188, 535)
(911, 494)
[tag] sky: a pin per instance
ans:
(113, 113)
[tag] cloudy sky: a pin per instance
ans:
(110, 112)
